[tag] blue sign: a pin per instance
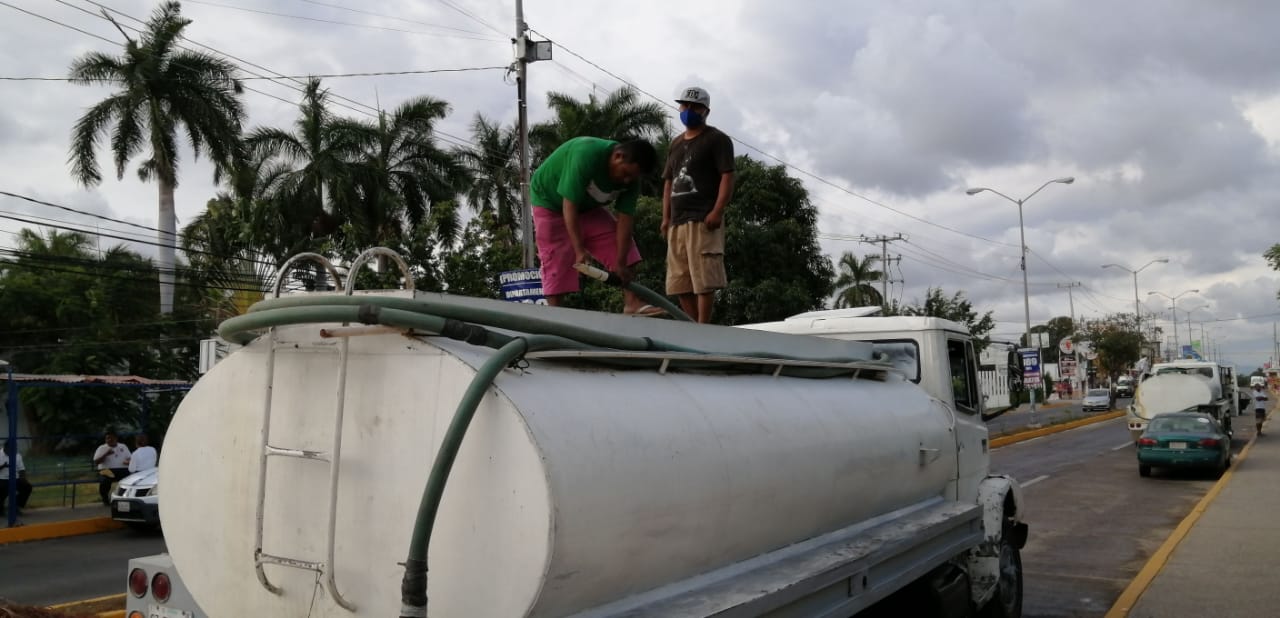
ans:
(522, 286)
(1190, 352)
(1030, 366)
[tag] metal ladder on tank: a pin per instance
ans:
(333, 457)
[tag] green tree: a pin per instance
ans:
(401, 173)
(494, 166)
(1116, 340)
(68, 308)
(486, 249)
(619, 116)
(854, 283)
(956, 308)
(163, 91)
(315, 178)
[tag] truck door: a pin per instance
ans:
(970, 432)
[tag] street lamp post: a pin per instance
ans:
(1173, 315)
(1022, 235)
(1137, 311)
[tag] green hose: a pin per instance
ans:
(508, 321)
(414, 587)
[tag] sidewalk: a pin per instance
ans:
(1223, 562)
(55, 522)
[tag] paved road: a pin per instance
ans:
(1094, 521)
(74, 568)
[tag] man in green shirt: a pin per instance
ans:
(570, 191)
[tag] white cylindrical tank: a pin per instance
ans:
(1171, 392)
(576, 485)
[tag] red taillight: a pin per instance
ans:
(138, 583)
(1146, 441)
(1209, 442)
(160, 588)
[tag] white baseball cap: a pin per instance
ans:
(694, 94)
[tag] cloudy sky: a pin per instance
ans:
(1166, 112)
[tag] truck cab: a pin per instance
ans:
(935, 353)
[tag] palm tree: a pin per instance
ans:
(619, 116)
(494, 165)
(854, 284)
(316, 178)
(163, 90)
(402, 174)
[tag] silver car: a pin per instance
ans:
(136, 500)
(1096, 399)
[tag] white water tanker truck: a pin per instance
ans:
(540, 462)
(1181, 386)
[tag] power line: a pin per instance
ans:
(473, 17)
(478, 36)
(308, 76)
(403, 19)
(79, 212)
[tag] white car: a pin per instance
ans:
(136, 500)
(1096, 399)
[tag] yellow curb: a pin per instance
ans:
(1023, 436)
(119, 613)
(1159, 559)
(74, 604)
(40, 532)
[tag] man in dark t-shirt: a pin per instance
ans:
(698, 184)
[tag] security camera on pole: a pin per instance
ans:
(1026, 293)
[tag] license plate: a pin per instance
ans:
(159, 611)
(123, 507)
(1177, 445)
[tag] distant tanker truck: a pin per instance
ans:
(1181, 386)
(540, 462)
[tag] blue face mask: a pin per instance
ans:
(691, 118)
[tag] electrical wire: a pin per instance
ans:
(403, 19)
(307, 76)
(476, 37)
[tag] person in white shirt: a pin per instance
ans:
(1259, 405)
(14, 460)
(113, 464)
(144, 457)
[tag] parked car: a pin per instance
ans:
(1096, 399)
(136, 500)
(1183, 440)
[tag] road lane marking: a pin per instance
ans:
(1122, 446)
(1035, 480)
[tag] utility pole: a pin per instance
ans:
(526, 51)
(884, 262)
(1071, 302)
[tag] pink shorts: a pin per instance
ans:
(599, 234)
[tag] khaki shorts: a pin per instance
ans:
(695, 259)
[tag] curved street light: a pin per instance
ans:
(1022, 233)
(1137, 311)
(1173, 313)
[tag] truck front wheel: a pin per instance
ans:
(1007, 600)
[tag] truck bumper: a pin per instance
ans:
(131, 510)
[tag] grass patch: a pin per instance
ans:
(60, 481)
